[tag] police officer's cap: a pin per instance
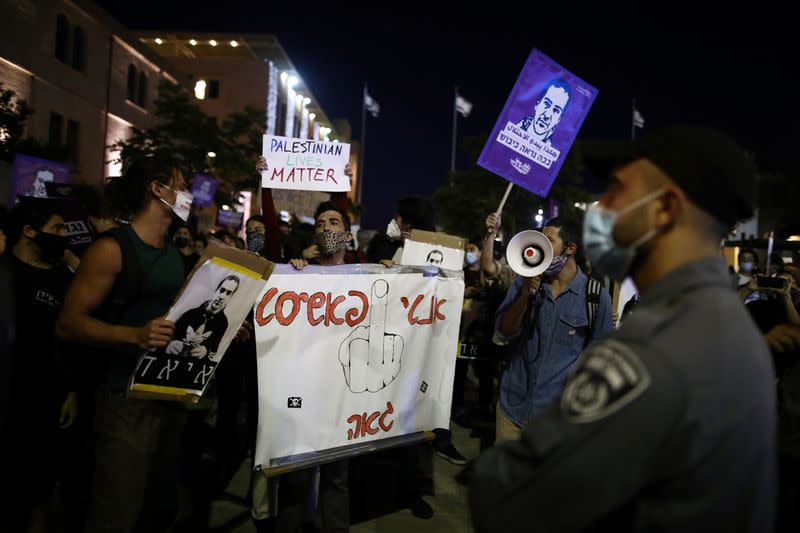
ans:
(714, 172)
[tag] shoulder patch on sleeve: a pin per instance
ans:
(609, 376)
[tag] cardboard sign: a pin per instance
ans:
(204, 188)
(299, 203)
(353, 354)
(538, 124)
(208, 312)
(79, 233)
(426, 248)
(30, 174)
(305, 164)
(229, 218)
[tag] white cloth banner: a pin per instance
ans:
(352, 354)
(305, 164)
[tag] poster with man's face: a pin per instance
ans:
(207, 316)
(30, 176)
(538, 124)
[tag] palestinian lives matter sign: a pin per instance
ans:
(353, 354)
(305, 164)
(538, 124)
(208, 313)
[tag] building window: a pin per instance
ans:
(62, 38)
(131, 83)
(73, 135)
(141, 95)
(79, 49)
(212, 93)
(56, 126)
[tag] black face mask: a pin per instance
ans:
(52, 246)
(181, 242)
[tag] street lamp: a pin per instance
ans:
(299, 99)
(283, 77)
(200, 89)
(312, 116)
(212, 42)
(212, 155)
(292, 82)
(306, 101)
(192, 42)
(158, 40)
(234, 44)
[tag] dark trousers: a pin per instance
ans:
(334, 499)
(135, 481)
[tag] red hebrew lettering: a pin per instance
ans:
(316, 301)
(352, 317)
(354, 434)
(404, 301)
(330, 316)
(363, 424)
(286, 320)
(411, 318)
(368, 424)
(439, 304)
(303, 296)
(381, 422)
(260, 318)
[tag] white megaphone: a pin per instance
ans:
(529, 253)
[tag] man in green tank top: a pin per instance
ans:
(138, 441)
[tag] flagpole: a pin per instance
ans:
(455, 125)
(633, 119)
(363, 145)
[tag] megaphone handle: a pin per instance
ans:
(499, 211)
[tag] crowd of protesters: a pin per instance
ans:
(75, 321)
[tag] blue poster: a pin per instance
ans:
(203, 189)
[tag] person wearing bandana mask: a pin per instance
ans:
(668, 424)
(549, 315)
(36, 360)
(139, 437)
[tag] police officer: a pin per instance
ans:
(669, 423)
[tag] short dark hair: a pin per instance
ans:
(332, 206)
(747, 251)
(435, 252)
(417, 213)
(570, 230)
(558, 83)
(128, 194)
(230, 278)
(254, 218)
(33, 212)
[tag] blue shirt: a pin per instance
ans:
(540, 368)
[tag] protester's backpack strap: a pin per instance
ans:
(128, 284)
(593, 288)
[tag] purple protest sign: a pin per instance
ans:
(29, 175)
(203, 189)
(538, 124)
(230, 219)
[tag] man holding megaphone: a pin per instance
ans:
(549, 312)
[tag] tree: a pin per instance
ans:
(463, 204)
(14, 113)
(184, 135)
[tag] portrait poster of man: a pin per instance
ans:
(208, 313)
(538, 125)
(30, 176)
(426, 248)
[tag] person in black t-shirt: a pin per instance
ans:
(184, 242)
(41, 399)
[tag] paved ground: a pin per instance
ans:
(231, 514)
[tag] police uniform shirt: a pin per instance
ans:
(667, 425)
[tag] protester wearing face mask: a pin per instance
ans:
(549, 315)
(38, 362)
(126, 283)
(412, 213)
(184, 242)
(669, 423)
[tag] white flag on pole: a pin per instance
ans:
(463, 106)
(371, 105)
(638, 119)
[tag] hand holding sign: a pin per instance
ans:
(370, 357)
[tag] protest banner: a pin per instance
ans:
(229, 218)
(305, 164)
(353, 355)
(538, 124)
(204, 187)
(208, 312)
(298, 203)
(30, 174)
(436, 249)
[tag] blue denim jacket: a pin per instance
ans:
(538, 372)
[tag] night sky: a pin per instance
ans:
(730, 70)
